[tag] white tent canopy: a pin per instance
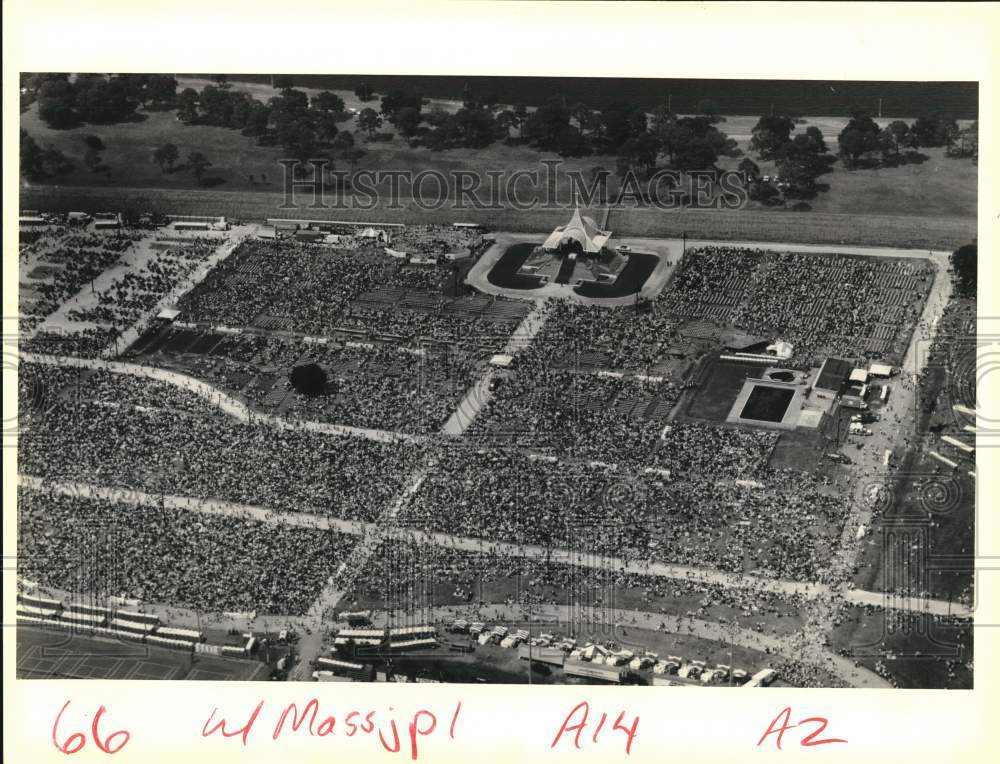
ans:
(581, 229)
(781, 349)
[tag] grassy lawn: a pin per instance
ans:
(245, 180)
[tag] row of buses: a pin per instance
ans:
(104, 621)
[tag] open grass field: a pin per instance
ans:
(931, 203)
(59, 654)
(925, 232)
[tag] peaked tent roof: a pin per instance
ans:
(581, 229)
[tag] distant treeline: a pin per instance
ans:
(801, 97)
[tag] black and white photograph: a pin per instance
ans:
(375, 378)
(495, 375)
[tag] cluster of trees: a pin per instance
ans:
(863, 143)
(65, 102)
(799, 160)
(307, 129)
(621, 128)
(37, 162)
(166, 156)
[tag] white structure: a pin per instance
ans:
(780, 349)
(880, 370)
(580, 229)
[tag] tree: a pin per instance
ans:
(187, 105)
(94, 142)
(622, 121)
(964, 261)
(639, 154)
(363, 92)
(31, 156)
(343, 142)
(408, 121)
(167, 154)
(506, 120)
(308, 379)
(545, 126)
(770, 134)
(57, 103)
(369, 121)
(283, 82)
(161, 89)
(859, 137)
(935, 130)
(749, 168)
(198, 163)
(103, 101)
(327, 101)
(801, 161)
(395, 100)
(475, 126)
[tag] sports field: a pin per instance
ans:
(59, 654)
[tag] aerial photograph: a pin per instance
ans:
(506, 380)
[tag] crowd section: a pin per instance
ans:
(171, 556)
(89, 342)
(781, 524)
(136, 292)
(436, 240)
(843, 305)
(127, 432)
(58, 264)
(416, 575)
(575, 412)
(317, 291)
(376, 386)
(614, 338)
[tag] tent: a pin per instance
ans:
(781, 349)
(582, 230)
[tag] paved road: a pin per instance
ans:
(479, 394)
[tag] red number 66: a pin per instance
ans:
(78, 740)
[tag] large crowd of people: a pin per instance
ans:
(575, 413)
(782, 524)
(368, 385)
(435, 240)
(413, 575)
(840, 305)
(318, 291)
(76, 259)
(161, 555)
(128, 432)
(137, 291)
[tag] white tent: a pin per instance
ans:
(880, 370)
(581, 229)
(781, 349)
